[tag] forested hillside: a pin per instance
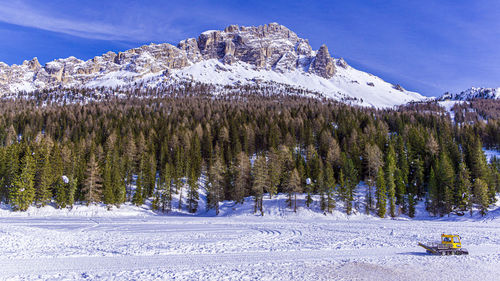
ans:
(153, 144)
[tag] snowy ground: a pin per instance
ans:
(90, 243)
(490, 153)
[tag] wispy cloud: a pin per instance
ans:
(27, 14)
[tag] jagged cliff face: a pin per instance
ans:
(251, 51)
(270, 47)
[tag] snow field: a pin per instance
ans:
(134, 243)
(240, 248)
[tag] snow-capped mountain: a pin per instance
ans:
(473, 93)
(236, 56)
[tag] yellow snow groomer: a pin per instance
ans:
(450, 245)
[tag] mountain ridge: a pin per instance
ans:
(237, 55)
(473, 93)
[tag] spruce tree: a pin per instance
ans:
(323, 189)
(118, 179)
(107, 182)
(166, 194)
(402, 172)
(463, 187)
(260, 182)
(433, 193)
(57, 184)
(129, 164)
(22, 192)
(389, 173)
(416, 181)
(351, 180)
(373, 161)
(193, 195)
(149, 174)
(216, 185)
(478, 165)
(71, 190)
(330, 188)
(309, 189)
(400, 189)
(93, 181)
(242, 181)
(481, 195)
(138, 198)
(446, 182)
(275, 170)
(342, 187)
(381, 194)
(178, 174)
(43, 193)
(294, 186)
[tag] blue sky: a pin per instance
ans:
(427, 46)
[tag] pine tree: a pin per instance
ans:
(401, 174)
(416, 181)
(193, 195)
(260, 182)
(389, 173)
(351, 180)
(71, 190)
(156, 203)
(216, 186)
(309, 189)
(433, 193)
(118, 179)
(481, 195)
(178, 174)
(400, 189)
(463, 187)
(129, 164)
(342, 187)
(107, 182)
(275, 170)
(22, 192)
(373, 159)
(330, 188)
(57, 184)
(242, 181)
(43, 194)
(381, 194)
(138, 198)
(165, 189)
(478, 165)
(446, 181)
(323, 189)
(294, 186)
(149, 174)
(93, 181)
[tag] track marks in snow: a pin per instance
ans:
(186, 248)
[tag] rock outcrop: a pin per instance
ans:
(323, 64)
(473, 93)
(271, 47)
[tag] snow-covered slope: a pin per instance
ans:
(236, 56)
(473, 93)
(366, 89)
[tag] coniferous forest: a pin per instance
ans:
(154, 144)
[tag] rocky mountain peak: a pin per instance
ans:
(32, 64)
(262, 46)
(323, 64)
